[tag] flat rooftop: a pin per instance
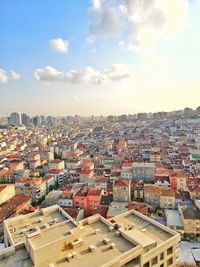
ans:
(94, 241)
(188, 251)
(21, 226)
(144, 231)
(173, 218)
(116, 208)
(102, 252)
(53, 233)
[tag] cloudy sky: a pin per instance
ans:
(99, 57)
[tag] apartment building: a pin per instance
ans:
(129, 239)
(144, 171)
(57, 164)
(87, 199)
(18, 228)
(7, 176)
(190, 216)
(34, 187)
(59, 175)
(152, 194)
(167, 198)
(122, 191)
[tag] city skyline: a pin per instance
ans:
(192, 111)
(99, 57)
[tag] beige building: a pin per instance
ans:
(57, 164)
(167, 198)
(190, 215)
(152, 194)
(122, 191)
(17, 229)
(34, 187)
(6, 192)
(130, 239)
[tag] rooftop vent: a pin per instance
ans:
(41, 219)
(111, 228)
(96, 231)
(112, 245)
(107, 241)
(91, 248)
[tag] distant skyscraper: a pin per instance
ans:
(42, 119)
(15, 118)
(25, 119)
(36, 121)
(51, 120)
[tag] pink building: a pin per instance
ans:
(88, 199)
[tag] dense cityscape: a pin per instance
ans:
(107, 169)
(100, 133)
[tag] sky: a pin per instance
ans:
(99, 57)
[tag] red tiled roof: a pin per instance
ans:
(116, 166)
(88, 164)
(46, 178)
(86, 171)
(121, 183)
(167, 192)
(6, 172)
(152, 189)
(94, 192)
(55, 171)
(126, 165)
(29, 180)
(9, 207)
(81, 193)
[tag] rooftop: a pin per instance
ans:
(21, 226)
(94, 241)
(9, 207)
(91, 235)
(145, 231)
(173, 218)
(190, 211)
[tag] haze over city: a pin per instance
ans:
(99, 57)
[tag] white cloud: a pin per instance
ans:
(147, 21)
(117, 71)
(5, 78)
(48, 74)
(104, 19)
(82, 76)
(60, 45)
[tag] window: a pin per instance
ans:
(169, 262)
(162, 265)
(162, 256)
(154, 261)
(147, 264)
(169, 250)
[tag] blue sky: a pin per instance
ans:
(98, 57)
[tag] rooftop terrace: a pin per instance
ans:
(22, 226)
(96, 241)
(146, 232)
